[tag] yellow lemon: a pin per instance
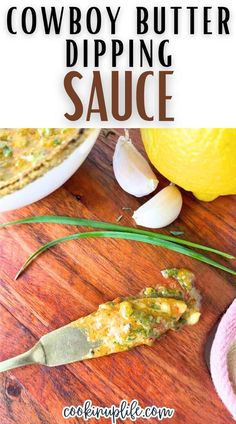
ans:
(199, 160)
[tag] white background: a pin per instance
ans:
(33, 68)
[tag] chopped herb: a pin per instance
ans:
(184, 277)
(126, 209)
(176, 233)
(121, 232)
(142, 318)
(107, 133)
(56, 142)
(171, 272)
(139, 330)
(131, 338)
(150, 292)
(167, 292)
(119, 218)
(155, 306)
(6, 150)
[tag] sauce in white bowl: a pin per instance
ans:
(52, 179)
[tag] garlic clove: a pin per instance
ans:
(132, 171)
(161, 210)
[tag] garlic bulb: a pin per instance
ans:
(132, 171)
(161, 210)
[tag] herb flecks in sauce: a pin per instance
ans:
(28, 153)
(184, 277)
(125, 323)
(5, 149)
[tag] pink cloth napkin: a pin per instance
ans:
(225, 336)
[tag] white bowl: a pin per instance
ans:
(50, 181)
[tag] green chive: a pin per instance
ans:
(81, 222)
(127, 236)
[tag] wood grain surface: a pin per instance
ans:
(72, 279)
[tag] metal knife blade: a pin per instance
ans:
(62, 346)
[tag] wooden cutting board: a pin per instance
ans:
(72, 279)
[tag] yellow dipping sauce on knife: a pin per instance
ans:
(120, 325)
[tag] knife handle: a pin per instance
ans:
(35, 355)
